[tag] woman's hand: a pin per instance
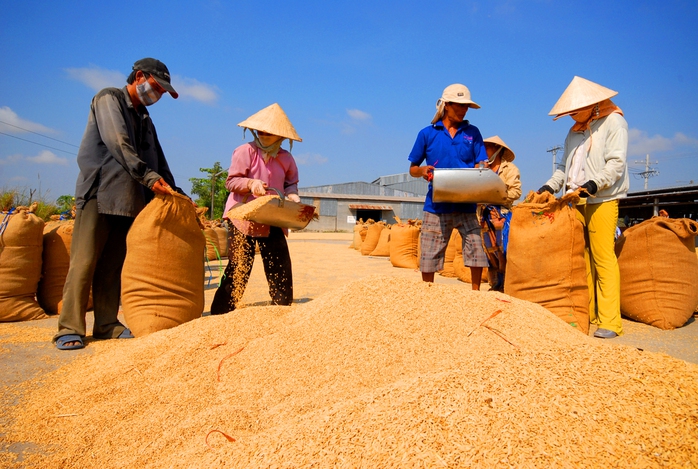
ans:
(257, 187)
(293, 198)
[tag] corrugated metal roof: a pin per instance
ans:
(370, 207)
(359, 198)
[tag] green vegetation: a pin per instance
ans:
(45, 209)
(201, 187)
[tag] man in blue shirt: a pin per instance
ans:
(449, 142)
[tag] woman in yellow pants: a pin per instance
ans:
(594, 163)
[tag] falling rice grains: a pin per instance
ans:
(379, 373)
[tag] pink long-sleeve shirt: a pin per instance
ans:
(247, 163)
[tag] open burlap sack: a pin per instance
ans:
(659, 272)
(383, 247)
(404, 245)
(21, 243)
(545, 257)
(162, 281)
(373, 234)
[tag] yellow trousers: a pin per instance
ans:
(603, 274)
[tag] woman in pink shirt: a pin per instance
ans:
(257, 167)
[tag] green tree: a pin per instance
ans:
(201, 187)
(65, 203)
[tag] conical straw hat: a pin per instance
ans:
(579, 94)
(507, 154)
(272, 120)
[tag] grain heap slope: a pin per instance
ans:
(382, 372)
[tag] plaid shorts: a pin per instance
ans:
(436, 232)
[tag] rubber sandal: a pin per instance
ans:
(125, 334)
(604, 334)
(64, 339)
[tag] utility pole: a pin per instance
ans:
(554, 151)
(648, 172)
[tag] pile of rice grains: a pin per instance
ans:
(383, 372)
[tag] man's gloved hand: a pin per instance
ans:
(588, 188)
(293, 198)
(545, 188)
(257, 187)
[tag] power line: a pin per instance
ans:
(554, 151)
(41, 144)
(649, 171)
(37, 133)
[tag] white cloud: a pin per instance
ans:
(12, 159)
(18, 125)
(358, 115)
(96, 77)
(310, 159)
(47, 157)
(641, 144)
(44, 157)
(194, 89)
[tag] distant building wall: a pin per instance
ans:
(340, 212)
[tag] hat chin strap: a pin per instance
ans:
(491, 159)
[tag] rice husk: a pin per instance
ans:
(382, 372)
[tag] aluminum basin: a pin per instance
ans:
(468, 185)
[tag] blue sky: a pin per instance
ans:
(358, 79)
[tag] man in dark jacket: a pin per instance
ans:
(121, 166)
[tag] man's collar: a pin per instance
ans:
(462, 125)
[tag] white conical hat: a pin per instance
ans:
(580, 93)
(507, 154)
(272, 120)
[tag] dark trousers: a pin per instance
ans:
(97, 254)
(241, 251)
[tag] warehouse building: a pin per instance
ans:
(402, 196)
(679, 202)
(389, 197)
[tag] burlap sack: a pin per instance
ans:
(357, 239)
(659, 272)
(212, 248)
(460, 270)
(55, 264)
(373, 234)
(222, 235)
(383, 247)
(58, 236)
(404, 245)
(362, 235)
(455, 244)
(545, 257)
(162, 282)
(21, 243)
